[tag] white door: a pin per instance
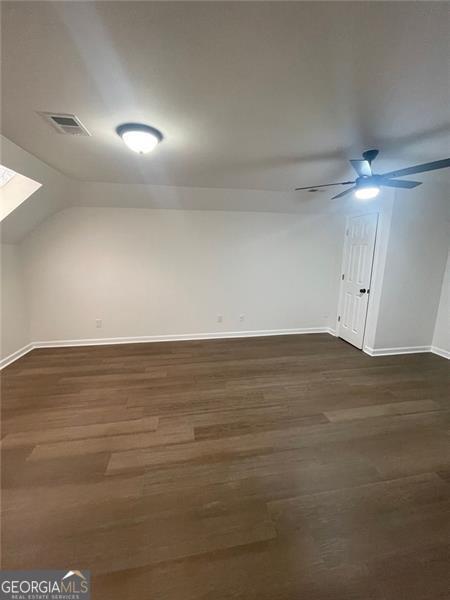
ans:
(356, 275)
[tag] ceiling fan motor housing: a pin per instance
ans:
(368, 181)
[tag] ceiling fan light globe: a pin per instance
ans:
(367, 192)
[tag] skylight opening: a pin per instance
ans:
(6, 175)
(14, 189)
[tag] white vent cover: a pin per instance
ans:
(65, 123)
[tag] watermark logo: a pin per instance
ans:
(45, 585)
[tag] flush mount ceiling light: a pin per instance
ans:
(138, 137)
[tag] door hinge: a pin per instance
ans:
(339, 318)
(342, 276)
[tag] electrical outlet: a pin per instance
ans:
(219, 318)
(241, 317)
(98, 323)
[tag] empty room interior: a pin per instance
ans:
(225, 312)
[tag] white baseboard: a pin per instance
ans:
(406, 350)
(158, 338)
(440, 352)
(15, 356)
(177, 337)
(210, 336)
(393, 351)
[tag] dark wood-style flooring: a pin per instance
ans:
(281, 468)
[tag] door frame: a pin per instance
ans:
(372, 270)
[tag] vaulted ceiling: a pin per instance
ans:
(255, 95)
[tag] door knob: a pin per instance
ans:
(362, 291)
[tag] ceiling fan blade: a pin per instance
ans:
(313, 187)
(362, 167)
(344, 193)
(399, 183)
(431, 166)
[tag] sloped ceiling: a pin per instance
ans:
(56, 192)
(248, 95)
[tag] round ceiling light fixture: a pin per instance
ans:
(138, 137)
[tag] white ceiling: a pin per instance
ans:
(248, 95)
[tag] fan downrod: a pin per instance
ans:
(370, 155)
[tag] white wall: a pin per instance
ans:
(159, 272)
(441, 336)
(415, 263)
(194, 198)
(15, 333)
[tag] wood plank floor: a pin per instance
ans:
(281, 468)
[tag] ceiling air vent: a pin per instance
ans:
(67, 124)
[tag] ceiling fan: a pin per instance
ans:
(367, 185)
